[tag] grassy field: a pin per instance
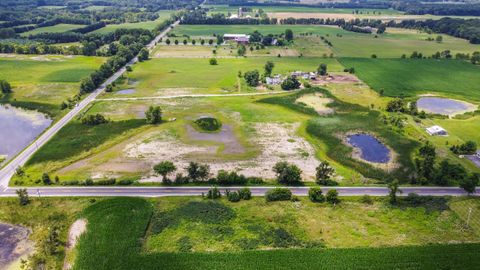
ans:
(104, 248)
(45, 80)
(233, 9)
(412, 77)
(392, 44)
(59, 28)
(170, 76)
(149, 25)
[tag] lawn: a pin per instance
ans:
(59, 28)
(412, 77)
(148, 25)
(390, 45)
(105, 248)
(45, 80)
(174, 76)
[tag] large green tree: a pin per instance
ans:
(287, 174)
(153, 115)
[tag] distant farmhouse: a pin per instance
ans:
(436, 131)
(239, 38)
(275, 80)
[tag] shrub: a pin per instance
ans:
(252, 77)
(245, 194)
(233, 196)
(366, 199)
(327, 182)
(213, 61)
(125, 182)
(214, 193)
(208, 123)
(278, 194)
(184, 244)
(315, 194)
(255, 180)
(230, 178)
(332, 196)
(106, 182)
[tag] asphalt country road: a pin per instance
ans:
(136, 191)
(7, 172)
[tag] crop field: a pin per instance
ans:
(412, 77)
(274, 9)
(149, 25)
(177, 76)
(392, 44)
(120, 248)
(45, 80)
(59, 28)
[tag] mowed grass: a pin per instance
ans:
(412, 77)
(392, 44)
(148, 25)
(59, 28)
(46, 79)
(173, 76)
(109, 244)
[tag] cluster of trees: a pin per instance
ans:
(315, 195)
(443, 174)
(200, 16)
(153, 115)
(401, 106)
(467, 148)
(421, 8)
(290, 83)
(268, 40)
(200, 173)
(94, 119)
(463, 28)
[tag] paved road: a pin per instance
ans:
(133, 191)
(7, 172)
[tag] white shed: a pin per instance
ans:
(436, 131)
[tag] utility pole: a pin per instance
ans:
(469, 215)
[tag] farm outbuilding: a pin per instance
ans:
(436, 131)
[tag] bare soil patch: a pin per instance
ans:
(317, 102)
(336, 78)
(226, 136)
(76, 230)
(275, 142)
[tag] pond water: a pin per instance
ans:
(443, 106)
(126, 91)
(18, 128)
(371, 149)
(13, 243)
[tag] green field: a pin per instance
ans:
(104, 248)
(45, 80)
(233, 9)
(168, 76)
(59, 28)
(148, 25)
(412, 77)
(390, 45)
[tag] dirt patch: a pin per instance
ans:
(317, 102)
(14, 244)
(76, 230)
(336, 78)
(275, 142)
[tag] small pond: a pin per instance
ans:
(126, 91)
(13, 243)
(370, 148)
(18, 128)
(443, 106)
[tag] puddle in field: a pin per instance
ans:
(126, 91)
(444, 106)
(371, 149)
(226, 136)
(18, 128)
